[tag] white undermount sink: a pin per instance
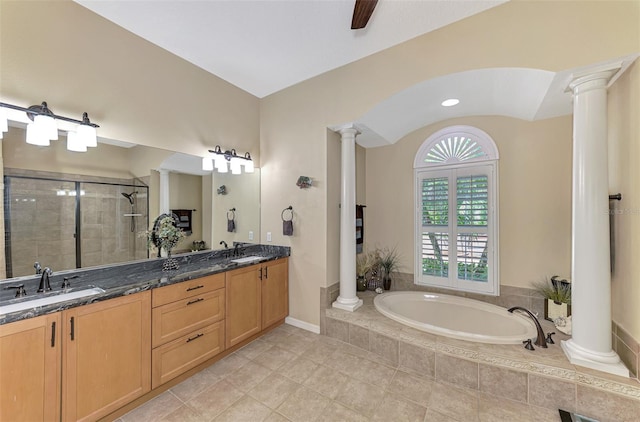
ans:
(49, 300)
(246, 259)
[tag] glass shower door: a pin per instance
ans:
(40, 224)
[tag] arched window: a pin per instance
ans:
(456, 198)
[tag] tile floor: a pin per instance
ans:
(291, 374)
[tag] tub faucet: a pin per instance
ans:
(540, 341)
(45, 284)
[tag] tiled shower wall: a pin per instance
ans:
(42, 222)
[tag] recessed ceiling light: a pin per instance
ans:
(450, 102)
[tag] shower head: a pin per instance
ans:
(130, 196)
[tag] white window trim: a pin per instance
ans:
(421, 168)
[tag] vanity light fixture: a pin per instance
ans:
(450, 102)
(229, 159)
(42, 126)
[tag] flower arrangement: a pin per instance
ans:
(366, 261)
(165, 234)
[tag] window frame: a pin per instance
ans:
(453, 168)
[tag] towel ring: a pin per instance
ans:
(290, 209)
(231, 212)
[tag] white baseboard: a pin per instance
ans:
(302, 324)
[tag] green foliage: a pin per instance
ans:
(389, 260)
(554, 289)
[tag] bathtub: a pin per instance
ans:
(456, 317)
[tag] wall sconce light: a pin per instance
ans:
(229, 159)
(42, 126)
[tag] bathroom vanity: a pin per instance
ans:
(84, 361)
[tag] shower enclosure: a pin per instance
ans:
(66, 224)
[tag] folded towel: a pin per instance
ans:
(231, 225)
(287, 227)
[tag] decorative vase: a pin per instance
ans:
(361, 283)
(386, 282)
(553, 310)
(170, 263)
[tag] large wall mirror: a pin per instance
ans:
(70, 210)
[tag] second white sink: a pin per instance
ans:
(246, 259)
(49, 300)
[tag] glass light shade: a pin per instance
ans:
(236, 167)
(48, 126)
(248, 166)
(207, 163)
(87, 135)
(35, 136)
(74, 143)
(221, 164)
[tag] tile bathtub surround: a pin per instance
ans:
(541, 379)
(627, 348)
(328, 380)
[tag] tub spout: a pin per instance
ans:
(540, 341)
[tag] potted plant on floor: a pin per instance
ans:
(390, 262)
(557, 293)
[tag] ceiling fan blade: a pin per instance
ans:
(362, 12)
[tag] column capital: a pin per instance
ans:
(347, 129)
(595, 79)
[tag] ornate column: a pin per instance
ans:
(348, 299)
(590, 344)
(164, 191)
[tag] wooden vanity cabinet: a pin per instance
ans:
(106, 356)
(275, 292)
(256, 297)
(187, 326)
(30, 369)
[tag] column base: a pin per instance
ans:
(347, 304)
(605, 362)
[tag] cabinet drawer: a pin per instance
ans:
(179, 318)
(180, 355)
(187, 289)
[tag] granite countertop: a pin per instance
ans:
(128, 278)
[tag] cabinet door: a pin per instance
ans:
(275, 292)
(106, 356)
(243, 304)
(30, 369)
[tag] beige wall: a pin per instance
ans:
(141, 93)
(624, 177)
(293, 122)
(243, 194)
(534, 192)
(60, 52)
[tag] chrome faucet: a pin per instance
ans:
(540, 341)
(38, 268)
(45, 284)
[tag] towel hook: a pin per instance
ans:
(233, 214)
(289, 208)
